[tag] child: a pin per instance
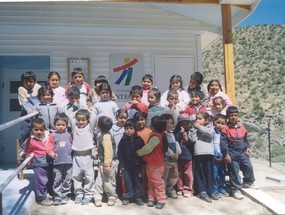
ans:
(105, 106)
(135, 103)
(93, 95)
(214, 90)
(196, 105)
(37, 144)
(58, 91)
(117, 131)
(201, 135)
(78, 81)
(47, 108)
(172, 107)
(176, 83)
(27, 96)
(143, 131)
(185, 172)
(106, 179)
(154, 108)
(83, 153)
(153, 153)
(130, 164)
(195, 82)
(59, 149)
(147, 82)
(218, 107)
(236, 149)
(170, 174)
(219, 164)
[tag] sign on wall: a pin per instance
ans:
(126, 70)
(82, 63)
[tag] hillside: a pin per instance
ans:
(259, 58)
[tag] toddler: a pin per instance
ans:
(173, 107)
(147, 82)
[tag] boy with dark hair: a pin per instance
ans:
(27, 96)
(130, 164)
(135, 103)
(236, 149)
(106, 179)
(78, 81)
(196, 79)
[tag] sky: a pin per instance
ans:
(267, 12)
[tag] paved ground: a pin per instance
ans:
(16, 200)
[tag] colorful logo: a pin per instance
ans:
(127, 71)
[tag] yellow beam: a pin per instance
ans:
(228, 51)
(244, 7)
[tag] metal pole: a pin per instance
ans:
(269, 142)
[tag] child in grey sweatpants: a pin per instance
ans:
(83, 152)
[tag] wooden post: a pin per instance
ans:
(228, 51)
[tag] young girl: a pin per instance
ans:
(37, 144)
(215, 90)
(185, 172)
(153, 153)
(59, 149)
(47, 108)
(172, 107)
(106, 106)
(147, 82)
(154, 108)
(58, 91)
(202, 135)
(130, 164)
(176, 83)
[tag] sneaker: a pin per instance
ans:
(150, 203)
(159, 205)
(187, 195)
(250, 185)
(204, 196)
(179, 193)
(139, 201)
(45, 202)
(65, 200)
(237, 195)
(126, 202)
(111, 201)
(98, 202)
(224, 193)
(56, 202)
(85, 201)
(173, 196)
(214, 196)
(78, 200)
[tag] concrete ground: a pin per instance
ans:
(18, 198)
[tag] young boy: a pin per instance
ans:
(170, 175)
(27, 96)
(196, 79)
(106, 179)
(78, 81)
(37, 144)
(172, 108)
(219, 164)
(83, 153)
(59, 149)
(130, 164)
(135, 103)
(236, 149)
(196, 105)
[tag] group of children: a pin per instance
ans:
(154, 147)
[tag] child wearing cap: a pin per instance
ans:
(236, 149)
(185, 173)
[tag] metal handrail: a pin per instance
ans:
(16, 121)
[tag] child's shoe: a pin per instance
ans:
(126, 202)
(250, 185)
(204, 196)
(150, 204)
(98, 202)
(85, 201)
(56, 202)
(78, 200)
(214, 196)
(159, 205)
(237, 195)
(111, 201)
(139, 201)
(65, 200)
(180, 193)
(224, 193)
(45, 202)
(187, 195)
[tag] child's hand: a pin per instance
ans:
(107, 169)
(53, 155)
(175, 156)
(227, 158)
(95, 156)
(247, 151)
(184, 137)
(196, 124)
(133, 102)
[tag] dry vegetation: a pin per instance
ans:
(259, 56)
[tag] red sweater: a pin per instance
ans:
(156, 157)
